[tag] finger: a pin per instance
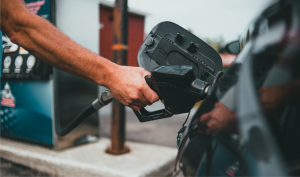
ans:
(137, 97)
(217, 104)
(144, 72)
(129, 102)
(136, 108)
(140, 104)
(137, 104)
(202, 131)
(143, 100)
(204, 118)
(148, 93)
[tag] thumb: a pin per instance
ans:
(204, 118)
(144, 72)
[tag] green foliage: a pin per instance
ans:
(190, 30)
(215, 43)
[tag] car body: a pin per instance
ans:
(262, 87)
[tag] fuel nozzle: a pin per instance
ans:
(105, 98)
(200, 87)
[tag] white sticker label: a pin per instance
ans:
(19, 62)
(5, 70)
(7, 62)
(28, 70)
(17, 70)
(22, 51)
(30, 61)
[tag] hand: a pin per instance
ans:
(128, 85)
(220, 118)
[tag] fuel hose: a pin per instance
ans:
(105, 98)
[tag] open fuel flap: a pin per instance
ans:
(183, 69)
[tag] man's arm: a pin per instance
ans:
(46, 42)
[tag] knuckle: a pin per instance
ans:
(140, 87)
(129, 102)
(142, 69)
(208, 125)
(151, 101)
(153, 98)
(135, 108)
(133, 96)
(213, 114)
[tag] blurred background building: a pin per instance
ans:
(136, 24)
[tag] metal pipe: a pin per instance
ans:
(120, 24)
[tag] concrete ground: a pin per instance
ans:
(8, 168)
(92, 160)
(159, 132)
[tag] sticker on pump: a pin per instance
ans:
(8, 46)
(7, 98)
(18, 64)
(22, 51)
(30, 63)
(34, 7)
(6, 64)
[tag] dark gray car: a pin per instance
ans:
(262, 86)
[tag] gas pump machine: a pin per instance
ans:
(35, 98)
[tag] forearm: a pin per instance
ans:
(46, 42)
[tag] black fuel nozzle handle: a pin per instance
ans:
(200, 87)
(143, 115)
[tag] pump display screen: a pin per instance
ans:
(18, 63)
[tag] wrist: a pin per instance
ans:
(106, 76)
